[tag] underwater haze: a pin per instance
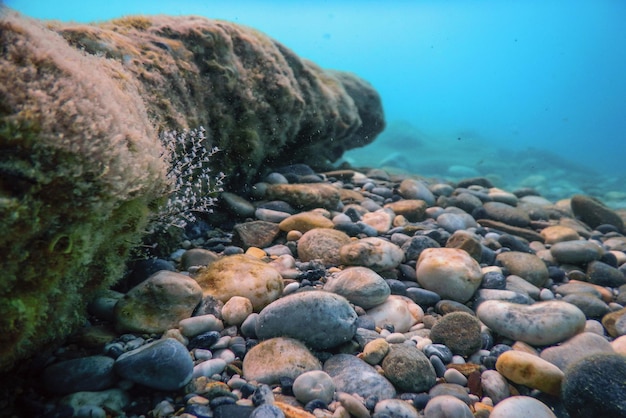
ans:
(528, 93)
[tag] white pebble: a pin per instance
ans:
(290, 288)
(546, 294)
(395, 338)
(455, 376)
(209, 368)
(314, 384)
(224, 354)
(195, 325)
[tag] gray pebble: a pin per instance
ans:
(92, 373)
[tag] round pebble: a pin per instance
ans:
(360, 285)
(236, 310)
(315, 384)
(522, 407)
(446, 406)
(459, 331)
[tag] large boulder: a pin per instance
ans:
(81, 167)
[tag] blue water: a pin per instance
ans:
(486, 80)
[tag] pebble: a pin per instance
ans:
(522, 407)
(604, 275)
(541, 324)
(455, 376)
(408, 369)
(528, 266)
(375, 351)
(446, 406)
(255, 234)
(589, 304)
(92, 373)
(459, 331)
(322, 244)
(380, 220)
(494, 385)
(399, 311)
(576, 348)
(318, 318)
(502, 212)
(360, 285)
(241, 275)
(530, 370)
(305, 221)
(260, 363)
(559, 233)
(394, 408)
(354, 376)
(595, 386)
(197, 257)
(163, 365)
(305, 196)
(190, 327)
(314, 384)
(520, 285)
(158, 303)
(412, 209)
(450, 272)
(452, 222)
(352, 405)
(415, 189)
(267, 411)
(88, 402)
(236, 310)
(375, 253)
(576, 252)
(594, 213)
(614, 323)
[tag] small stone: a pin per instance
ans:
(449, 272)
(91, 373)
(375, 351)
(399, 311)
(595, 386)
(114, 400)
(451, 389)
(163, 365)
(315, 384)
(190, 327)
(372, 252)
(611, 320)
(502, 212)
(158, 303)
(260, 363)
(494, 385)
(520, 285)
(320, 319)
(305, 221)
(241, 275)
(236, 310)
(237, 204)
(530, 370)
(467, 242)
(354, 407)
(576, 252)
(415, 189)
(353, 375)
(197, 257)
(455, 376)
(209, 368)
(528, 266)
(380, 220)
(543, 323)
(459, 331)
(522, 407)
(589, 304)
(559, 233)
(305, 196)
(447, 406)
(408, 369)
(360, 285)
(394, 408)
(594, 213)
(452, 222)
(575, 349)
(322, 244)
(255, 234)
(602, 274)
(412, 209)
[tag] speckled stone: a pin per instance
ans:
(530, 370)
(394, 408)
(527, 266)
(353, 375)
(415, 189)
(522, 407)
(375, 351)
(595, 386)
(543, 323)
(602, 274)
(375, 253)
(450, 272)
(459, 331)
(158, 303)
(241, 275)
(408, 369)
(260, 363)
(447, 406)
(314, 384)
(589, 304)
(360, 285)
(399, 311)
(318, 318)
(574, 349)
(323, 244)
(255, 234)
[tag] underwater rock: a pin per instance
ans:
(82, 107)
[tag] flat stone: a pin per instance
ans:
(158, 303)
(576, 348)
(522, 407)
(576, 252)
(507, 214)
(415, 189)
(360, 285)
(255, 234)
(528, 266)
(450, 272)
(380, 220)
(541, 324)
(322, 244)
(197, 257)
(527, 234)
(318, 318)
(590, 305)
(408, 369)
(594, 213)
(305, 196)
(163, 365)
(530, 370)
(459, 331)
(595, 386)
(559, 233)
(279, 357)
(399, 311)
(372, 252)
(447, 406)
(467, 242)
(412, 209)
(602, 274)
(305, 221)
(236, 310)
(91, 373)
(241, 275)
(353, 375)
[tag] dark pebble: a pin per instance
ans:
(365, 321)
(557, 274)
(440, 368)
(232, 411)
(414, 246)
(499, 349)
(493, 280)
(315, 404)
(141, 270)
(439, 350)
(204, 340)
(286, 385)
(397, 287)
(232, 250)
(487, 256)
(221, 400)
(267, 411)
(610, 259)
(262, 395)
(606, 228)
(247, 389)
(81, 374)
(278, 205)
(515, 244)
(487, 341)
(351, 229)
(424, 298)
(447, 306)
(201, 411)
(603, 274)
(420, 401)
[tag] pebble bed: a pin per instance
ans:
(360, 294)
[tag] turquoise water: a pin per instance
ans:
(529, 93)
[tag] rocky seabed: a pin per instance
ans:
(360, 294)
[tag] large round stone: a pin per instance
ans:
(241, 275)
(449, 272)
(322, 244)
(409, 369)
(272, 359)
(318, 318)
(459, 331)
(360, 285)
(541, 324)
